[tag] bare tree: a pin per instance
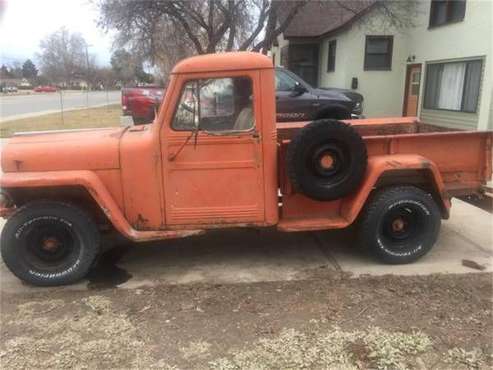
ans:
(164, 31)
(64, 57)
(395, 14)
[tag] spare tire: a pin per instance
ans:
(326, 160)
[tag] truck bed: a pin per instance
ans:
(463, 160)
(463, 157)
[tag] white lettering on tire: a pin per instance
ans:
(55, 275)
(408, 201)
(21, 228)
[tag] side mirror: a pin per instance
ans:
(298, 89)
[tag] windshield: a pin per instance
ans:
(286, 80)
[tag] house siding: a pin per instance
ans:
(466, 40)
(383, 91)
(277, 51)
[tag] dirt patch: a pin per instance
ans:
(440, 321)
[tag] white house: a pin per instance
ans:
(439, 68)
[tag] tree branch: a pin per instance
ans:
(232, 27)
(268, 39)
(189, 32)
(260, 25)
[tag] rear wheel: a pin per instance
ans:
(400, 224)
(49, 243)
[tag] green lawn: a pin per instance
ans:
(83, 118)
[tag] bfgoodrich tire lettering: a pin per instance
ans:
(400, 224)
(49, 243)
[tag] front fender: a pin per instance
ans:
(98, 191)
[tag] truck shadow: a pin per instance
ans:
(223, 256)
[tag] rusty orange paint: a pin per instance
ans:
(154, 184)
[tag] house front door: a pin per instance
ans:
(411, 94)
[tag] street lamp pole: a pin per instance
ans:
(87, 75)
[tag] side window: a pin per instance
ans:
(220, 104)
(284, 82)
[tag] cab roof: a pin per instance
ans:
(240, 60)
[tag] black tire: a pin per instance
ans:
(338, 114)
(326, 160)
(400, 224)
(49, 243)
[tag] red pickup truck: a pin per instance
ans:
(215, 158)
(141, 102)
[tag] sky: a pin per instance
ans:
(24, 23)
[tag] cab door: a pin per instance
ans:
(212, 153)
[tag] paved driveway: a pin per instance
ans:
(236, 256)
(19, 106)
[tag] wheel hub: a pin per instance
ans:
(327, 161)
(398, 225)
(50, 244)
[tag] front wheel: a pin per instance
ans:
(49, 243)
(400, 224)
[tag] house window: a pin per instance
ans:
(453, 86)
(378, 53)
(331, 58)
(446, 11)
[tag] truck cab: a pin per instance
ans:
(214, 157)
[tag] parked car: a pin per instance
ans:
(296, 100)
(46, 88)
(141, 102)
(225, 165)
(9, 89)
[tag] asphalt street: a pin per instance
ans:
(20, 106)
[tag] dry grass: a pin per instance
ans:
(83, 118)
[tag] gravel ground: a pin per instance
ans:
(330, 321)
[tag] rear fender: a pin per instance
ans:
(379, 166)
(97, 190)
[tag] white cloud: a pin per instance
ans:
(26, 22)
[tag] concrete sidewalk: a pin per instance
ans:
(237, 256)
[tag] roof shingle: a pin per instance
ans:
(318, 18)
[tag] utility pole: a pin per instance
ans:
(87, 75)
(61, 106)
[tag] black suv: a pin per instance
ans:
(296, 100)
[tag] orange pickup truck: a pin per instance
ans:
(214, 158)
